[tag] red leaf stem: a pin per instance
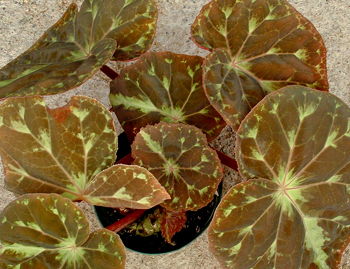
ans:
(228, 161)
(128, 159)
(128, 219)
(109, 72)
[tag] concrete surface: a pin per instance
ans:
(23, 21)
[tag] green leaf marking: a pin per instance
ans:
(257, 47)
(179, 157)
(294, 212)
(65, 150)
(163, 87)
(79, 44)
(49, 231)
(126, 186)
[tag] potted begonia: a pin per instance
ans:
(265, 77)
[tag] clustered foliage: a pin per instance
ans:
(265, 77)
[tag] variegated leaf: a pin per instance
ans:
(179, 157)
(126, 186)
(64, 150)
(55, 150)
(258, 47)
(163, 87)
(131, 23)
(76, 47)
(49, 231)
(295, 212)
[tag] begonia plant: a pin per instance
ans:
(265, 77)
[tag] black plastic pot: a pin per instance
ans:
(197, 222)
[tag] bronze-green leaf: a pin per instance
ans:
(55, 150)
(76, 47)
(126, 186)
(258, 46)
(49, 231)
(163, 87)
(295, 211)
(179, 157)
(131, 23)
(65, 150)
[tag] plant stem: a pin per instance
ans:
(226, 160)
(128, 159)
(109, 72)
(128, 219)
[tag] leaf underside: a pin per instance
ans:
(49, 231)
(295, 212)
(79, 44)
(179, 157)
(163, 87)
(257, 47)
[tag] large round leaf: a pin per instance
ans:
(180, 158)
(55, 150)
(76, 47)
(295, 212)
(163, 87)
(49, 231)
(64, 150)
(258, 46)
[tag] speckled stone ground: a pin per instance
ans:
(23, 21)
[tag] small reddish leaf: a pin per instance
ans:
(126, 186)
(163, 87)
(49, 231)
(258, 47)
(179, 157)
(295, 212)
(172, 223)
(79, 44)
